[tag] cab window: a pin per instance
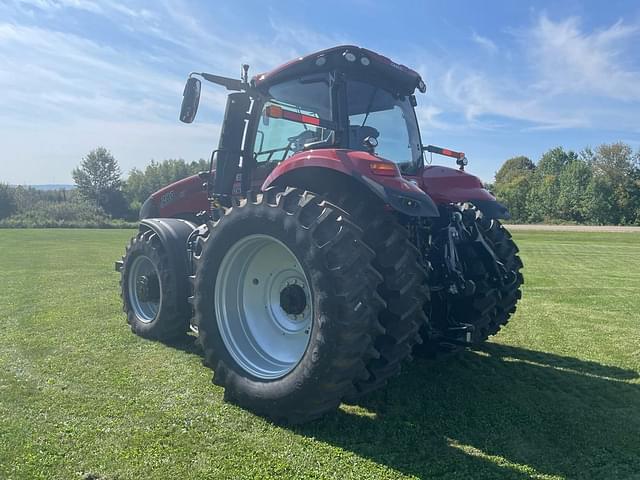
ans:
(297, 114)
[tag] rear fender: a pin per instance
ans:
(401, 194)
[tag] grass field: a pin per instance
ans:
(555, 395)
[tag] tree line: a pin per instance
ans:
(598, 186)
(102, 198)
(595, 186)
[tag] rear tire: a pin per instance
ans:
(490, 320)
(492, 304)
(149, 290)
(403, 290)
(339, 303)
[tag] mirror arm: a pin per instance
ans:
(229, 83)
(232, 84)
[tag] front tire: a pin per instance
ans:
(285, 303)
(149, 290)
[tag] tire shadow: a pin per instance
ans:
(498, 412)
(186, 344)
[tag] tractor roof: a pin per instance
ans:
(366, 65)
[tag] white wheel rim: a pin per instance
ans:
(264, 306)
(144, 309)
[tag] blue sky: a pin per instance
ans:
(504, 78)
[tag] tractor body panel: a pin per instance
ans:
(186, 196)
(402, 194)
(449, 185)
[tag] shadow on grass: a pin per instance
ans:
(186, 343)
(497, 412)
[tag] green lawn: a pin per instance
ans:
(555, 395)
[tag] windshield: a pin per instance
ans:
(387, 117)
(298, 115)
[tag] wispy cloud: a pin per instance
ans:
(487, 44)
(571, 78)
(64, 80)
(571, 60)
(55, 5)
(480, 95)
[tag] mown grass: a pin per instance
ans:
(555, 395)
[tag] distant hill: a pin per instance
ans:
(51, 186)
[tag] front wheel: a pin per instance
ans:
(150, 290)
(285, 304)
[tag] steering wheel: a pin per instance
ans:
(297, 142)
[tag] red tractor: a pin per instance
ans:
(319, 250)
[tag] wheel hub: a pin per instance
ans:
(148, 288)
(293, 300)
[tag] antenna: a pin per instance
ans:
(245, 73)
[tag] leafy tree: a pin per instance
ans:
(602, 205)
(514, 167)
(513, 184)
(573, 202)
(98, 178)
(514, 195)
(554, 161)
(616, 184)
(545, 191)
(7, 201)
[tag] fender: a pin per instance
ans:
(173, 234)
(448, 185)
(401, 194)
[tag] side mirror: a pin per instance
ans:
(190, 100)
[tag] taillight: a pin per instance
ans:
(384, 168)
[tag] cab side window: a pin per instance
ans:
(279, 138)
(296, 115)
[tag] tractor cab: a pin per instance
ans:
(343, 98)
(343, 116)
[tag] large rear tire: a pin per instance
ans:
(403, 290)
(149, 290)
(285, 304)
(493, 302)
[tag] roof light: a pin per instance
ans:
(321, 60)
(349, 56)
(365, 61)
